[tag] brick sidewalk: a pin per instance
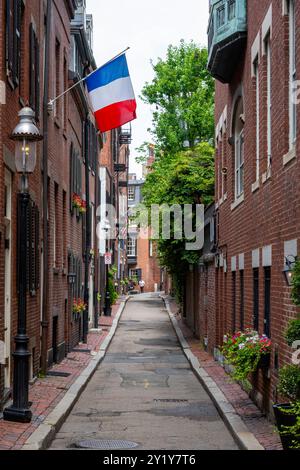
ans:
(256, 422)
(47, 392)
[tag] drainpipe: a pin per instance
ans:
(88, 234)
(45, 321)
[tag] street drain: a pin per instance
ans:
(104, 444)
(57, 373)
(170, 400)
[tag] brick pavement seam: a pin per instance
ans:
(245, 439)
(42, 437)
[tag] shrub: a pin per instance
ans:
(289, 381)
(292, 332)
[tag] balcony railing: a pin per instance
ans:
(227, 32)
(125, 135)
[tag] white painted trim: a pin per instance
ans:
(285, 8)
(241, 261)
(266, 28)
(291, 155)
(2, 92)
(255, 186)
(256, 258)
(255, 53)
(267, 175)
(233, 263)
(267, 256)
(291, 248)
(237, 202)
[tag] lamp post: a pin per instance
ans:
(26, 135)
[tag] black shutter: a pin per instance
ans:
(9, 36)
(267, 329)
(37, 248)
(84, 215)
(37, 78)
(17, 41)
(32, 83)
(71, 178)
(256, 299)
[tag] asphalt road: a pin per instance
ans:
(145, 391)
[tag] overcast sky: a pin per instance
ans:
(148, 27)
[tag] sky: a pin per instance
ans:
(147, 27)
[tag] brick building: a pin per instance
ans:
(142, 256)
(46, 47)
(253, 55)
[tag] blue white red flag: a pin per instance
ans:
(112, 95)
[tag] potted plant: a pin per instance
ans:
(243, 351)
(287, 414)
(78, 306)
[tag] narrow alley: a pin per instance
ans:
(145, 391)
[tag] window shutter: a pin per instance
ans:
(71, 178)
(32, 83)
(37, 78)
(9, 36)
(37, 248)
(17, 41)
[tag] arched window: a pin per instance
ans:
(238, 134)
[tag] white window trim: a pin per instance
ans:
(292, 74)
(267, 43)
(257, 98)
(255, 53)
(266, 28)
(239, 166)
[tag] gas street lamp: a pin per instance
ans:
(288, 269)
(26, 135)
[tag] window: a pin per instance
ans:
(269, 100)
(239, 149)
(131, 247)
(131, 193)
(256, 299)
(233, 300)
(57, 77)
(221, 16)
(292, 74)
(231, 9)
(242, 301)
(239, 164)
(150, 248)
(267, 275)
(75, 174)
(257, 96)
(34, 81)
(65, 97)
(14, 13)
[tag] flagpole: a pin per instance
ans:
(84, 78)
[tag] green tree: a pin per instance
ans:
(186, 177)
(182, 92)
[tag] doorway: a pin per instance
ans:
(54, 338)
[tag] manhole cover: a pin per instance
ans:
(104, 444)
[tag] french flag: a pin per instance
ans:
(112, 95)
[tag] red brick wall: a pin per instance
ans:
(271, 215)
(8, 120)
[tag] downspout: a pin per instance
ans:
(45, 321)
(88, 233)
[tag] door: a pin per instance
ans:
(7, 277)
(55, 338)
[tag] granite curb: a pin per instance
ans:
(245, 439)
(42, 437)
